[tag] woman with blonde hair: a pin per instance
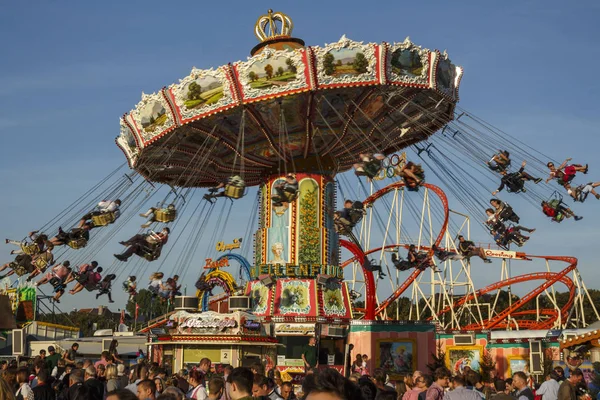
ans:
(112, 378)
(6, 392)
(408, 381)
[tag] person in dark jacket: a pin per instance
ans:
(94, 387)
(43, 390)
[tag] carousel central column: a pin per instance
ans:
(298, 231)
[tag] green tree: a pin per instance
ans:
(194, 91)
(328, 64)
(280, 71)
(290, 65)
(269, 71)
(339, 63)
(149, 307)
(487, 365)
(360, 63)
(438, 358)
(252, 76)
(309, 243)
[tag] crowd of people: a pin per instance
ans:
(60, 377)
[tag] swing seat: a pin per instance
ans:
(77, 243)
(151, 252)
(103, 219)
(288, 197)
(234, 192)
(20, 270)
(30, 248)
(165, 215)
(41, 264)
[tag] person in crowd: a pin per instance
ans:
(6, 391)
(515, 181)
(468, 249)
(160, 385)
(418, 388)
(103, 359)
(95, 388)
(309, 354)
(140, 243)
(112, 350)
(568, 388)
(260, 389)
(112, 379)
(121, 394)
(52, 359)
(172, 393)
(287, 391)
(24, 392)
(425, 381)
(43, 389)
(151, 214)
(75, 389)
(204, 368)
(437, 388)
(70, 355)
(330, 384)
(122, 376)
(549, 388)
(216, 388)
(560, 373)
(523, 392)
(104, 207)
(146, 390)
(502, 391)
(357, 364)
(240, 384)
(182, 382)
(460, 392)
(138, 374)
(197, 389)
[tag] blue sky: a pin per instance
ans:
(70, 69)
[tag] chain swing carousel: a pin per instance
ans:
(289, 119)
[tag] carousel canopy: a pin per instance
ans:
(290, 108)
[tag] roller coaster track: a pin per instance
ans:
(378, 310)
(500, 319)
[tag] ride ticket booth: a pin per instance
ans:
(236, 338)
(294, 337)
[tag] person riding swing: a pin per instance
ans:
(565, 173)
(36, 246)
(347, 218)
(165, 214)
(233, 188)
(500, 161)
(504, 211)
(286, 191)
(147, 245)
(369, 166)
(515, 181)
(106, 212)
(557, 210)
(412, 174)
